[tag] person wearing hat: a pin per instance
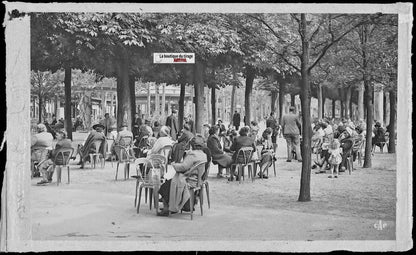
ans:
(46, 167)
(379, 138)
(163, 140)
(236, 120)
(97, 134)
(172, 123)
(41, 144)
(174, 192)
(108, 122)
(291, 132)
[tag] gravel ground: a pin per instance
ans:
(95, 207)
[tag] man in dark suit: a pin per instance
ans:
(236, 120)
(172, 123)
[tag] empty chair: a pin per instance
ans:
(125, 158)
(142, 164)
(60, 161)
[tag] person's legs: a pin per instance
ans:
(289, 147)
(296, 143)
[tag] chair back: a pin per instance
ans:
(126, 141)
(244, 155)
(143, 142)
(63, 156)
(141, 166)
(166, 151)
(109, 143)
(121, 153)
(158, 161)
(200, 167)
(259, 148)
(357, 144)
(97, 145)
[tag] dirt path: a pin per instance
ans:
(95, 207)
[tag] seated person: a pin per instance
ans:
(41, 144)
(156, 129)
(239, 142)
(163, 140)
(219, 157)
(45, 168)
(182, 145)
(124, 137)
(174, 192)
(84, 150)
(346, 140)
(379, 138)
(254, 129)
(142, 142)
(266, 152)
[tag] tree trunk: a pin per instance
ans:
(392, 122)
(274, 98)
(281, 100)
(385, 108)
(40, 106)
(213, 105)
(305, 93)
(163, 105)
(292, 99)
(157, 101)
(199, 96)
(342, 106)
(334, 102)
(361, 101)
(56, 106)
(323, 106)
(68, 119)
(181, 114)
(123, 91)
(320, 103)
(250, 74)
(232, 103)
(347, 102)
(369, 123)
(148, 100)
(132, 83)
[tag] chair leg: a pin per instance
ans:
(140, 198)
(135, 197)
(201, 200)
(207, 190)
(58, 176)
(117, 171)
(67, 167)
(274, 168)
(150, 198)
(191, 203)
(145, 195)
(240, 170)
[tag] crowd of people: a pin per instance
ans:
(332, 142)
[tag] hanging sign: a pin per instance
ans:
(174, 58)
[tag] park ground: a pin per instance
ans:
(95, 207)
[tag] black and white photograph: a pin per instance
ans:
(207, 127)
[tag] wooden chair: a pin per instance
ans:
(61, 160)
(97, 153)
(123, 157)
(199, 187)
(245, 153)
(150, 180)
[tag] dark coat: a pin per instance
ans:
(236, 119)
(88, 145)
(218, 155)
(240, 142)
(172, 123)
(179, 148)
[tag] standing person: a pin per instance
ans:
(172, 123)
(190, 123)
(291, 132)
(236, 120)
(107, 122)
(335, 157)
(271, 122)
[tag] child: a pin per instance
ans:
(335, 157)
